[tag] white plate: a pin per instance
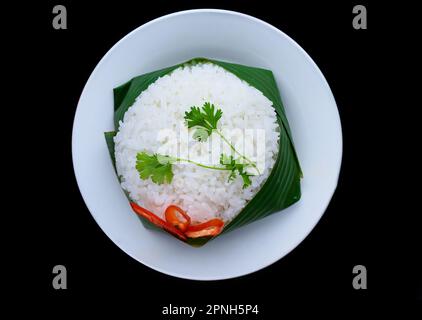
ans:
(310, 107)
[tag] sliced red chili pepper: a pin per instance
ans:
(173, 216)
(210, 228)
(157, 220)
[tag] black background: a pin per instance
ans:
(368, 221)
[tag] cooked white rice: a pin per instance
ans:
(203, 193)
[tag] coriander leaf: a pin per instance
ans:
(245, 176)
(246, 180)
(211, 117)
(165, 159)
(230, 164)
(232, 176)
(227, 161)
(200, 134)
(156, 167)
(205, 118)
(194, 117)
(236, 168)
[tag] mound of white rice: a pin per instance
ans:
(156, 119)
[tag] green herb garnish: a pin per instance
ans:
(205, 121)
(160, 167)
(235, 168)
(157, 167)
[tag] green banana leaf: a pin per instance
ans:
(282, 187)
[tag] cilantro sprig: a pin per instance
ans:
(160, 167)
(235, 169)
(157, 167)
(205, 121)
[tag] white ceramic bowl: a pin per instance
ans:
(310, 107)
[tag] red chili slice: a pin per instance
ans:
(210, 228)
(173, 216)
(157, 220)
